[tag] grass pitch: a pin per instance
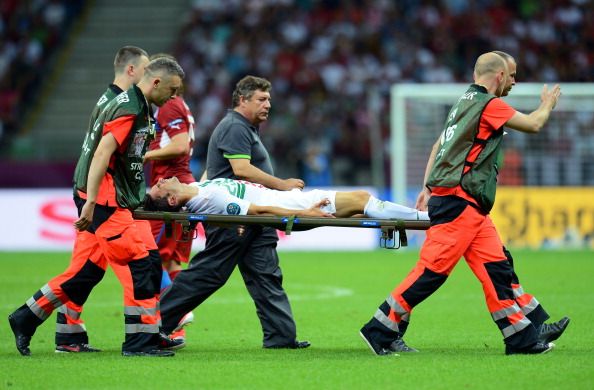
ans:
(333, 295)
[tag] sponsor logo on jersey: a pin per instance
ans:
(233, 209)
(175, 124)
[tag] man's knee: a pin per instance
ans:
(351, 203)
(146, 282)
(80, 285)
(361, 198)
(501, 275)
(156, 268)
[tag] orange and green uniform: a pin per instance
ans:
(462, 183)
(88, 264)
(114, 237)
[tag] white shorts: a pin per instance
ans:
(298, 200)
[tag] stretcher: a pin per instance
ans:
(393, 231)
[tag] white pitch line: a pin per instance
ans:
(311, 293)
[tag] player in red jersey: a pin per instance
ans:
(169, 155)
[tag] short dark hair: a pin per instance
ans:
(161, 55)
(165, 55)
(168, 66)
(126, 55)
(247, 86)
(158, 204)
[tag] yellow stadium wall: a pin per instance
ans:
(545, 216)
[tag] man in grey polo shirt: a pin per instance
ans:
(235, 151)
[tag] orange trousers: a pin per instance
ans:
(123, 243)
(471, 234)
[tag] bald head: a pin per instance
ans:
(491, 72)
(489, 63)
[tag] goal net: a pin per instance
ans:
(562, 154)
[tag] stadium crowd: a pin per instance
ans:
(325, 58)
(31, 32)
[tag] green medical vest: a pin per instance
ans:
(456, 141)
(128, 170)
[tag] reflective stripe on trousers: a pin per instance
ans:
(44, 302)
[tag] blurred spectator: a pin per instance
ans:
(31, 32)
(324, 56)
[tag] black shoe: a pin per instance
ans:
(375, 347)
(75, 348)
(551, 332)
(295, 345)
(300, 345)
(167, 343)
(400, 346)
(538, 348)
(151, 353)
(22, 341)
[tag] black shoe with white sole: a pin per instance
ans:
(374, 346)
(75, 348)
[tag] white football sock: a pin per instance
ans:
(376, 208)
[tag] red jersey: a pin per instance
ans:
(173, 118)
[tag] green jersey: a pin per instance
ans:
(233, 187)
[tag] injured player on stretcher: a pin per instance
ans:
(237, 197)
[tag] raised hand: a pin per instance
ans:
(551, 95)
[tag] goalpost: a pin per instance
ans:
(561, 155)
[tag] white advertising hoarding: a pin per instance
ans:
(41, 219)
